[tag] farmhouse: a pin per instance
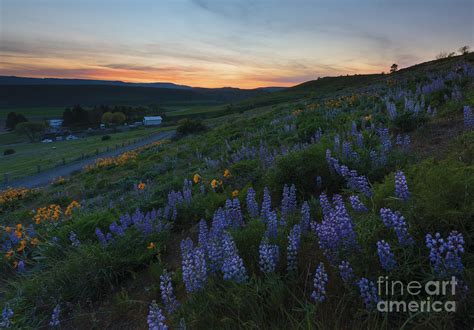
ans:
(152, 121)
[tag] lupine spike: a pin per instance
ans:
(320, 282)
(167, 293)
(156, 319)
(387, 259)
(292, 250)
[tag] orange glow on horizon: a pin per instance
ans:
(196, 76)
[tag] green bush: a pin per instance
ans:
(190, 126)
(8, 152)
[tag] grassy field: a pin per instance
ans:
(34, 112)
(28, 155)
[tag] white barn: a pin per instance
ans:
(152, 121)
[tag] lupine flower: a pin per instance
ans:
(336, 232)
(346, 272)
(288, 203)
(7, 314)
(468, 117)
(100, 235)
(445, 256)
(269, 255)
(266, 204)
(396, 221)
(401, 187)
(386, 257)
(156, 319)
(368, 292)
(55, 316)
(272, 225)
(193, 266)
(325, 205)
(305, 216)
(73, 238)
(234, 213)
(167, 294)
(203, 233)
(233, 267)
(357, 204)
(292, 250)
(21, 266)
(320, 282)
(252, 205)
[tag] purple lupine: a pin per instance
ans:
(167, 294)
(325, 205)
(288, 203)
(233, 267)
(305, 216)
(357, 205)
(445, 256)
(21, 266)
(266, 204)
(252, 205)
(320, 282)
(74, 240)
(156, 319)
(55, 316)
(233, 212)
(385, 139)
(116, 229)
(193, 266)
(401, 187)
(272, 225)
(7, 315)
(100, 235)
(396, 221)
(336, 231)
(346, 272)
(391, 109)
(294, 239)
(203, 233)
(215, 254)
(406, 141)
(386, 257)
(269, 255)
(468, 117)
(368, 292)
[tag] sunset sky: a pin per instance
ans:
(215, 43)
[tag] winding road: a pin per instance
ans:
(46, 177)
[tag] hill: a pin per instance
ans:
(48, 92)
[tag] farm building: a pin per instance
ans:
(55, 123)
(152, 121)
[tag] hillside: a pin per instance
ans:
(284, 214)
(37, 93)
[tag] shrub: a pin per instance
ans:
(106, 137)
(8, 152)
(190, 126)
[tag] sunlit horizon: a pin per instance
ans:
(238, 43)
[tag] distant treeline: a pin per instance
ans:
(79, 116)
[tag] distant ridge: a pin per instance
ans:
(14, 80)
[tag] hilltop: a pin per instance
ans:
(282, 212)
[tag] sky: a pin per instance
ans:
(217, 43)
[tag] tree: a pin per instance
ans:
(190, 126)
(107, 118)
(464, 50)
(393, 68)
(33, 130)
(118, 118)
(13, 119)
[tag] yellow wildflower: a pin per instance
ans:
(235, 193)
(226, 173)
(141, 186)
(214, 183)
(196, 178)
(151, 246)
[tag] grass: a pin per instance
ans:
(48, 155)
(37, 113)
